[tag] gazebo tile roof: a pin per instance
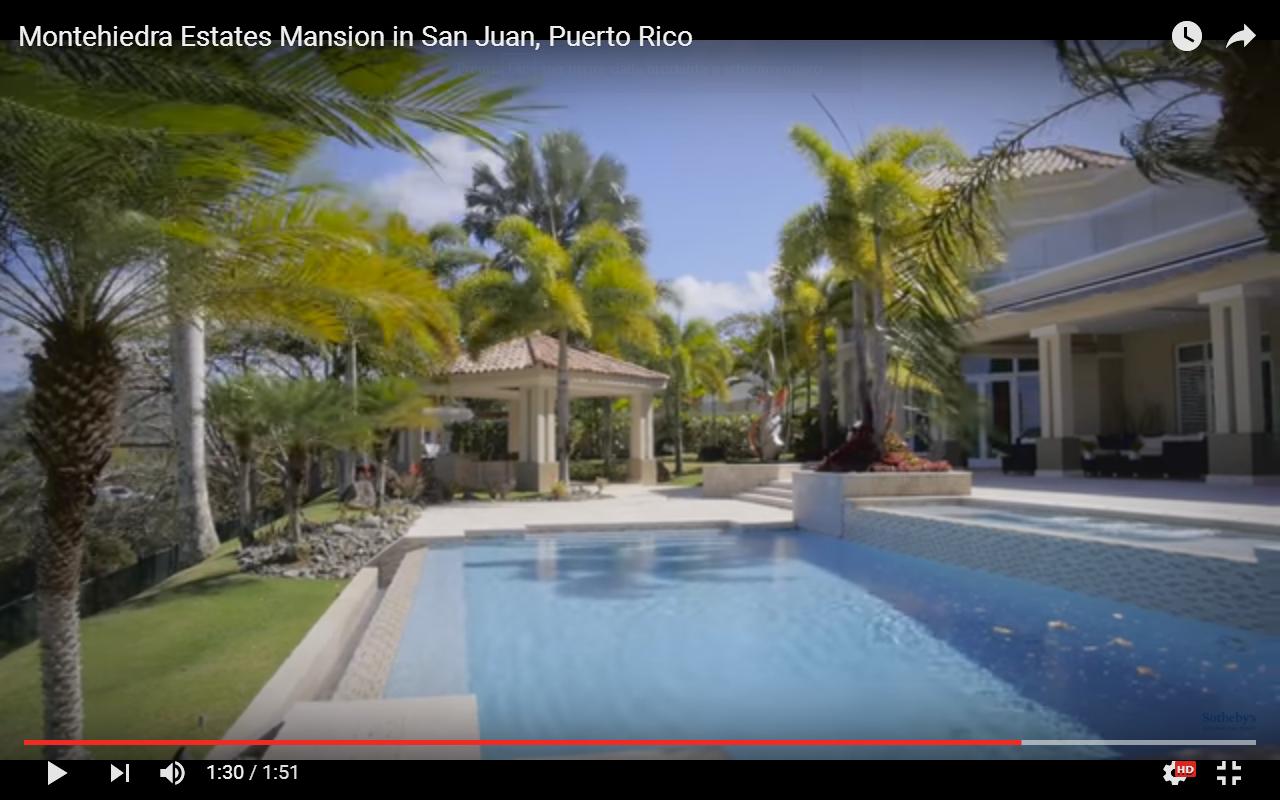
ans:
(540, 350)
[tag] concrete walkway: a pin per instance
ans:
(626, 504)
(1254, 507)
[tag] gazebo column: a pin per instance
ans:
(536, 470)
(515, 427)
(641, 465)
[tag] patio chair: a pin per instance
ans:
(1186, 456)
(1021, 457)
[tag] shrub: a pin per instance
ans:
(559, 491)
(724, 435)
(105, 553)
(588, 471)
(486, 439)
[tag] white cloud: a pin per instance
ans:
(716, 300)
(425, 195)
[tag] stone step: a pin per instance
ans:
(766, 499)
(773, 491)
(781, 484)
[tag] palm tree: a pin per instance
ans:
(234, 406)
(304, 417)
(441, 249)
(867, 227)
(89, 140)
(558, 186)
(699, 364)
(125, 101)
(596, 289)
(819, 302)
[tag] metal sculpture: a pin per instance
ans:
(766, 431)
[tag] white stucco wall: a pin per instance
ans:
(1149, 368)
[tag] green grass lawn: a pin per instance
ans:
(692, 472)
(193, 650)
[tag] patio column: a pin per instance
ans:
(641, 465)
(1240, 451)
(536, 470)
(1057, 449)
(515, 439)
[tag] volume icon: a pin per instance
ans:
(173, 773)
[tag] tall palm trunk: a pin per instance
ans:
(315, 477)
(347, 458)
(858, 333)
(295, 471)
(824, 395)
(879, 351)
(676, 397)
(244, 495)
(562, 406)
(198, 538)
(76, 380)
(380, 475)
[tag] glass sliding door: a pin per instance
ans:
(1000, 420)
(1028, 406)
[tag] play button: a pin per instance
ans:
(55, 772)
(116, 772)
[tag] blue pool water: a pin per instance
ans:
(779, 634)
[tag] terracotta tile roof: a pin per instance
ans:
(1038, 161)
(540, 350)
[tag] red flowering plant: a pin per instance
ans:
(861, 453)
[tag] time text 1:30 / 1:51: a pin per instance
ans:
(247, 772)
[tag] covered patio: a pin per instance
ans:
(1162, 372)
(522, 374)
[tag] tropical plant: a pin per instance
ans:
(906, 302)
(596, 289)
(442, 249)
(234, 408)
(698, 363)
(304, 417)
(819, 301)
(384, 407)
(88, 139)
(558, 186)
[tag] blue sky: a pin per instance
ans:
(703, 133)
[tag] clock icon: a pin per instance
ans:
(1186, 36)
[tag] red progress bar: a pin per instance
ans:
(524, 742)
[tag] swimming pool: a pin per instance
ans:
(785, 634)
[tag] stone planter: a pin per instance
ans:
(818, 498)
(727, 480)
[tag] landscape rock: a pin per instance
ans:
(335, 550)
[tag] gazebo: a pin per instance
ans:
(522, 373)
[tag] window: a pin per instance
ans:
(1194, 387)
(1028, 365)
(1001, 365)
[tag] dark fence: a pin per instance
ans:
(18, 618)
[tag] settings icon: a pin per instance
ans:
(1176, 772)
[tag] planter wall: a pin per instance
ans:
(818, 498)
(727, 480)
